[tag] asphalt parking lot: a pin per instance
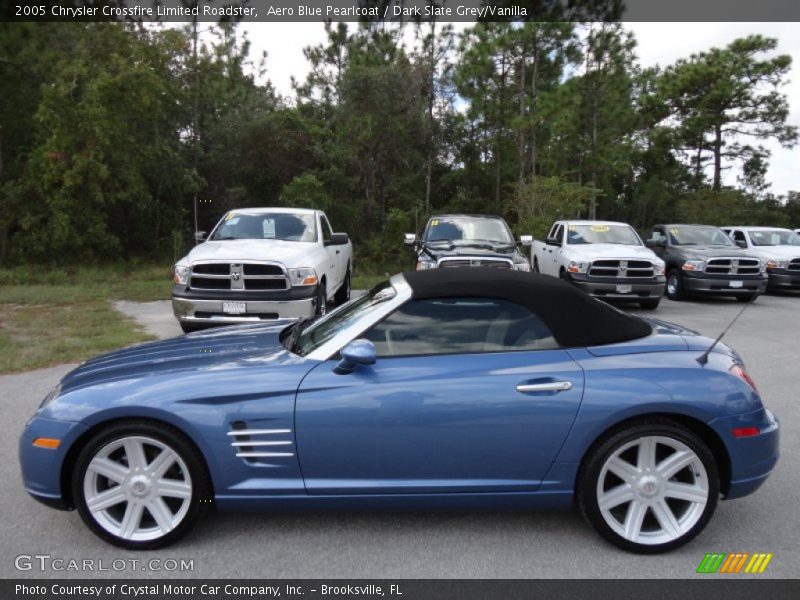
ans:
(421, 545)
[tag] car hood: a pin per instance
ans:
(777, 251)
(601, 251)
(713, 252)
(290, 253)
(478, 249)
(221, 348)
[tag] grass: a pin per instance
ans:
(55, 316)
(49, 317)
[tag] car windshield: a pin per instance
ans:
(774, 237)
(320, 331)
(468, 228)
(698, 236)
(290, 227)
(599, 233)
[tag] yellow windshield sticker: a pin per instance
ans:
(673, 231)
(573, 228)
(229, 216)
(434, 223)
(600, 228)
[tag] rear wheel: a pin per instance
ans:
(675, 285)
(140, 485)
(650, 304)
(650, 487)
(343, 293)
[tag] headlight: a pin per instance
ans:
(180, 274)
(522, 266)
(303, 276)
(425, 264)
(52, 395)
(659, 269)
(693, 265)
(578, 266)
(777, 263)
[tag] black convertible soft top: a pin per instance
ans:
(574, 318)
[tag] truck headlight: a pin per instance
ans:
(693, 265)
(303, 276)
(659, 269)
(425, 264)
(180, 274)
(522, 266)
(578, 266)
(777, 263)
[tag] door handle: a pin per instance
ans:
(548, 386)
(338, 251)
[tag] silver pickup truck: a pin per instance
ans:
(261, 264)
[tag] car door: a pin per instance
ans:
(332, 267)
(467, 395)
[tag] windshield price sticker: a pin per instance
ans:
(600, 228)
(434, 223)
(269, 229)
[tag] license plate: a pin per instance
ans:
(736, 284)
(624, 289)
(234, 308)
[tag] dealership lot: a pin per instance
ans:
(436, 544)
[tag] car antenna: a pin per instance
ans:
(703, 358)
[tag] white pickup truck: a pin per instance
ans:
(606, 259)
(778, 249)
(260, 264)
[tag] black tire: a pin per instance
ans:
(343, 293)
(747, 298)
(650, 304)
(190, 327)
(322, 300)
(675, 289)
(202, 489)
(604, 448)
(535, 265)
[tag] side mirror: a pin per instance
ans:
(553, 241)
(741, 243)
(651, 243)
(409, 239)
(526, 240)
(199, 236)
(338, 239)
(357, 353)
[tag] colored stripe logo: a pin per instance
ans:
(734, 563)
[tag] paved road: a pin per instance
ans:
(391, 545)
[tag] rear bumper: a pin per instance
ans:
(752, 458)
(208, 307)
(787, 280)
(721, 284)
(608, 287)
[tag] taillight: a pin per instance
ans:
(738, 371)
(740, 432)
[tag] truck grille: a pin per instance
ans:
(238, 276)
(733, 266)
(794, 264)
(622, 268)
(500, 263)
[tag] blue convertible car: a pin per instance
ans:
(456, 387)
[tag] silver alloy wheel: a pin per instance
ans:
(652, 490)
(672, 284)
(137, 488)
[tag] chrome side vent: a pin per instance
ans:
(261, 443)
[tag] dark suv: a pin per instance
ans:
(468, 241)
(701, 259)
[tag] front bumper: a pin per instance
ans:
(608, 287)
(703, 283)
(751, 458)
(784, 279)
(206, 307)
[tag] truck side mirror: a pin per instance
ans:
(337, 239)
(526, 240)
(553, 241)
(741, 243)
(409, 239)
(200, 236)
(652, 243)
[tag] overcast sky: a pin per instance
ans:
(658, 43)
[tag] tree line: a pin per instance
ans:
(110, 133)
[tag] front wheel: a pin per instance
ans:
(322, 300)
(140, 485)
(675, 285)
(650, 487)
(343, 293)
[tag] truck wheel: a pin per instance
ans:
(322, 300)
(535, 265)
(343, 293)
(650, 304)
(675, 285)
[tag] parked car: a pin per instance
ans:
(603, 258)
(778, 248)
(471, 387)
(262, 264)
(467, 241)
(702, 260)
